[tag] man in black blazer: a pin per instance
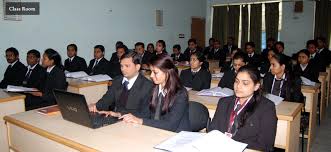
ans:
(114, 62)
(177, 56)
(98, 65)
(129, 93)
(252, 57)
(74, 63)
(15, 71)
(144, 55)
(323, 51)
(315, 58)
(209, 48)
(192, 47)
(35, 76)
(230, 46)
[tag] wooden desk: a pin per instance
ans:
(288, 125)
(322, 79)
(93, 91)
(182, 67)
(26, 132)
(10, 103)
(328, 86)
(213, 64)
(214, 82)
(311, 94)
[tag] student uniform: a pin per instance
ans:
(131, 99)
(288, 87)
(228, 79)
(146, 57)
(176, 119)
(317, 61)
(325, 56)
(14, 74)
(55, 79)
(101, 67)
(196, 80)
(307, 71)
(179, 58)
(254, 59)
(229, 48)
(75, 64)
(114, 68)
(35, 77)
(188, 52)
(259, 128)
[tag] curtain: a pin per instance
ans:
(220, 23)
(233, 22)
(322, 19)
(272, 20)
(244, 25)
(256, 26)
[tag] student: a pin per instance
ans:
(279, 48)
(74, 63)
(129, 93)
(315, 57)
(144, 55)
(192, 47)
(216, 52)
(265, 66)
(230, 46)
(228, 65)
(15, 72)
(114, 67)
(247, 116)
(150, 48)
(323, 51)
(281, 81)
(36, 75)
(98, 65)
(253, 58)
(177, 56)
(160, 48)
(169, 104)
(304, 68)
(55, 79)
(210, 47)
(270, 46)
(229, 76)
(196, 77)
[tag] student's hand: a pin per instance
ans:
(110, 113)
(129, 118)
(38, 93)
(93, 108)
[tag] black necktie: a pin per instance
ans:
(158, 107)
(27, 76)
(124, 94)
(236, 120)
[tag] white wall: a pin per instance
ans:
(297, 28)
(88, 23)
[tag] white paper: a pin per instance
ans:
(188, 89)
(217, 75)
(11, 88)
(78, 74)
(306, 81)
(275, 99)
(97, 78)
(214, 141)
(178, 142)
(217, 91)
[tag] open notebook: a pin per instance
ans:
(308, 82)
(217, 75)
(97, 78)
(275, 99)
(217, 91)
(11, 88)
(78, 74)
(214, 141)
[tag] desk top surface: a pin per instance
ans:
(9, 96)
(285, 110)
(310, 89)
(77, 83)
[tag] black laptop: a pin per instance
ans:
(74, 108)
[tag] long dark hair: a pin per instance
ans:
(172, 85)
(55, 56)
(255, 100)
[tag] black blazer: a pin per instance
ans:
(138, 99)
(77, 64)
(226, 48)
(187, 52)
(200, 81)
(317, 62)
(146, 58)
(37, 78)
(325, 57)
(177, 118)
(114, 67)
(100, 68)
(255, 60)
(310, 72)
(258, 130)
(291, 89)
(227, 79)
(14, 75)
(181, 58)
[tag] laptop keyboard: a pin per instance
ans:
(100, 120)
